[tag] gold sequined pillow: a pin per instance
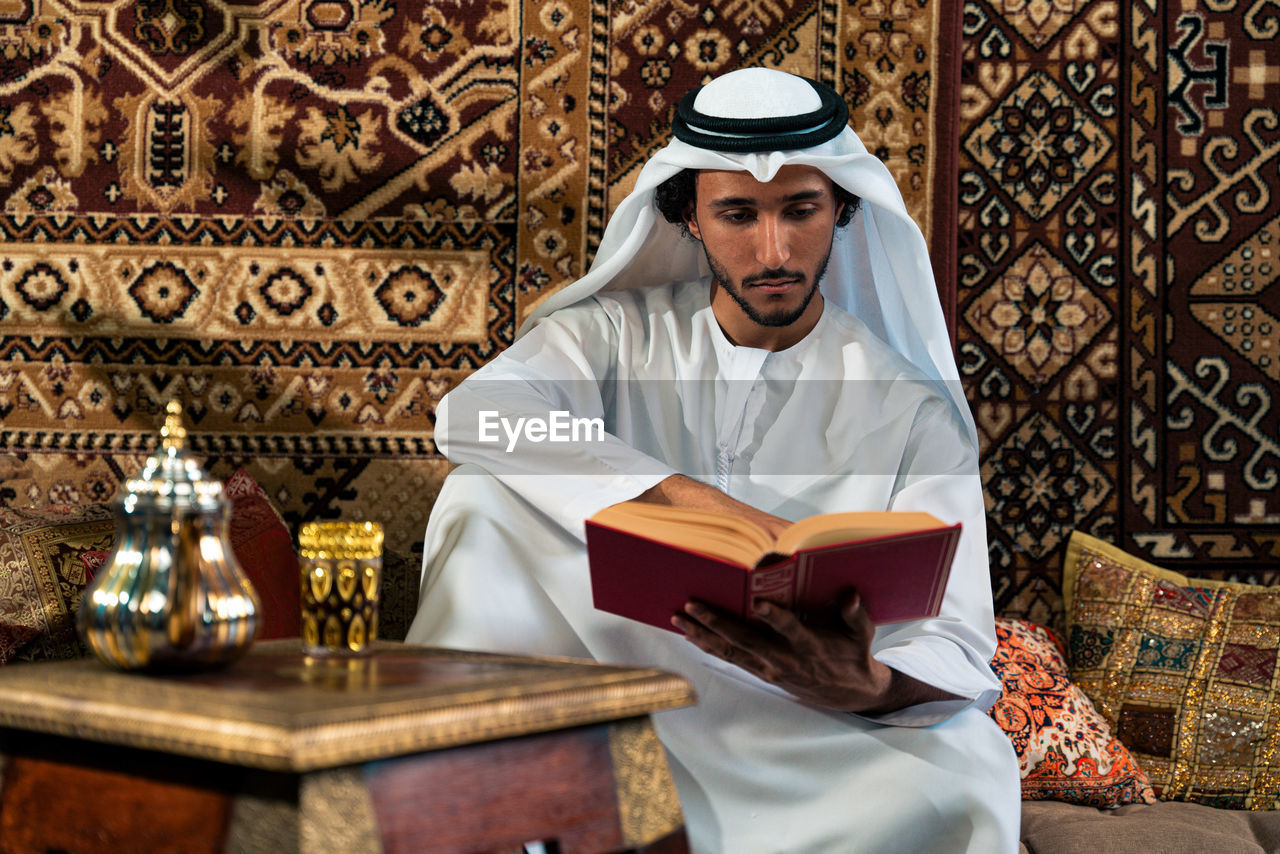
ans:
(1184, 671)
(42, 577)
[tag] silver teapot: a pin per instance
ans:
(172, 595)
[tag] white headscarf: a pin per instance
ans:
(879, 269)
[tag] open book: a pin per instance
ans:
(647, 560)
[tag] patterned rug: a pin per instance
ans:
(1119, 247)
(309, 219)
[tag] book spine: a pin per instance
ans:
(776, 582)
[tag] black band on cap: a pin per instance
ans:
(771, 133)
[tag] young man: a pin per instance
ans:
(744, 350)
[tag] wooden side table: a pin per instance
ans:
(414, 749)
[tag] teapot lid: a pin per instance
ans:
(171, 477)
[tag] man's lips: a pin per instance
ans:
(774, 286)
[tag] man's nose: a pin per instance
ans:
(772, 246)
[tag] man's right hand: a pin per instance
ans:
(826, 664)
(680, 491)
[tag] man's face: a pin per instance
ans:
(768, 245)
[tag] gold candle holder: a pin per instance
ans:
(341, 574)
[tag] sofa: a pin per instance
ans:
(1068, 708)
(1157, 713)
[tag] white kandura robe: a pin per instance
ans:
(838, 422)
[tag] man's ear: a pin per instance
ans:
(691, 223)
(691, 212)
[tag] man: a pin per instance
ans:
(744, 350)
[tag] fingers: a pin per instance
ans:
(712, 622)
(849, 607)
(856, 617)
(722, 637)
(710, 642)
(782, 621)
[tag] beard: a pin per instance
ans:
(778, 317)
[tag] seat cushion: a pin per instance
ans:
(1166, 827)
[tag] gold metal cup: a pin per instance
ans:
(341, 569)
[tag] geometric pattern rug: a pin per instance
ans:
(1118, 306)
(309, 219)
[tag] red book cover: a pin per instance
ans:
(900, 576)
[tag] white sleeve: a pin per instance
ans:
(952, 650)
(537, 417)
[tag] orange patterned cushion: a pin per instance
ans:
(1184, 670)
(1066, 751)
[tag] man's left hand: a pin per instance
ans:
(828, 665)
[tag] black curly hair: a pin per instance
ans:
(676, 195)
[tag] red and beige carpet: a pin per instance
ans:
(1119, 242)
(308, 219)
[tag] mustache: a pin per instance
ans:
(770, 275)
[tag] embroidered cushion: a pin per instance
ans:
(42, 576)
(1066, 751)
(264, 547)
(1184, 671)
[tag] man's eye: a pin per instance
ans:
(802, 213)
(736, 216)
